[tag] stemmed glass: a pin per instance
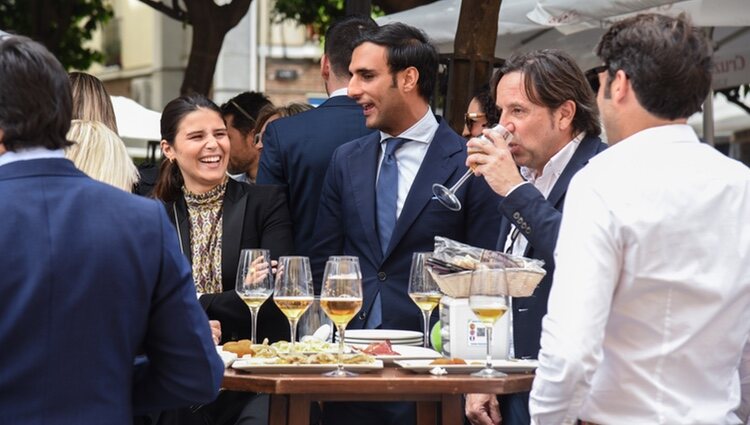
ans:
(293, 292)
(423, 290)
(447, 196)
(254, 282)
(488, 299)
(341, 299)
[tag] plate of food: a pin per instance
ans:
(460, 366)
(311, 363)
(389, 353)
(244, 347)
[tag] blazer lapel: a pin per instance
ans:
(586, 150)
(179, 214)
(437, 167)
(233, 218)
(362, 170)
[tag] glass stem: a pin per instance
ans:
(254, 319)
(461, 181)
(293, 329)
(489, 346)
(426, 336)
(341, 329)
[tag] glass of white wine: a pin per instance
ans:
(488, 299)
(447, 196)
(293, 292)
(341, 299)
(254, 282)
(423, 290)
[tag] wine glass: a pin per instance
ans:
(447, 196)
(293, 292)
(423, 290)
(341, 299)
(488, 299)
(254, 282)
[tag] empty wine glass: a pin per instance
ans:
(447, 196)
(341, 299)
(423, 290)
(254, 282)
(293, 292)
(488, 299)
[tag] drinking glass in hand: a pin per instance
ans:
(447, 196)
(341, 299)
(254, 282)
(293, 292)
(488, 299)
(423, 290)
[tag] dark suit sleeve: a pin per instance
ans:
(271, 170)
(329, 227)
(537, 219)
(184, 366)
(276, 225)
(482, 219)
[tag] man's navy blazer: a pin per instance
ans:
(526, 205)
(90, 277)
(296, 153)
(346, 223)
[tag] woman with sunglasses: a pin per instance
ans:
(481, 113)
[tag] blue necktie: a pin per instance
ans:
(386, 191)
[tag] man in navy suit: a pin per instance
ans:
(297, 149)
(91, 276)
(550, 109)
(377, 201)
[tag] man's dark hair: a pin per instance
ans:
(486, 100)
(550, 78)
(341, 38)
(35, 98)
(407, 46)
(244, 110)
(666, 59)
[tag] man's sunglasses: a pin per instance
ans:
(471, 117)
(592, 76)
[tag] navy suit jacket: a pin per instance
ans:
(542, 217)
(296, 153)
(346, 221)
(91, 277)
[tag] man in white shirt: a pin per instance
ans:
(550, 109)
(650, 310)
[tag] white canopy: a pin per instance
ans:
(135, 121)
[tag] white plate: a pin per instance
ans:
(393, 341)
(242, 364)
(227, 357)
(509, 366)
(367, 342)
(381, 334)
(407, 352)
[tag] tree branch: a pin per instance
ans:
(173, 12)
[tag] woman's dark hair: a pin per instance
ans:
(169, 185)
(666, 59)
(550, 78)
(487, 104)
(35, 99)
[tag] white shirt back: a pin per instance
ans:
(650, 309)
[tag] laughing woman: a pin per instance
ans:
(216, 217)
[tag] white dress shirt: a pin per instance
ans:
(544, 184)
(30, 153)
(410, 155)
(650, 310)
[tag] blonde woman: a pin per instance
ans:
(91, 100)
(99, 152)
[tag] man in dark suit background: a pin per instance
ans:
(377, 201)
(91, 276)
(550, 109)
(297, 149)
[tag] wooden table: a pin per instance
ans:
(292, 394)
